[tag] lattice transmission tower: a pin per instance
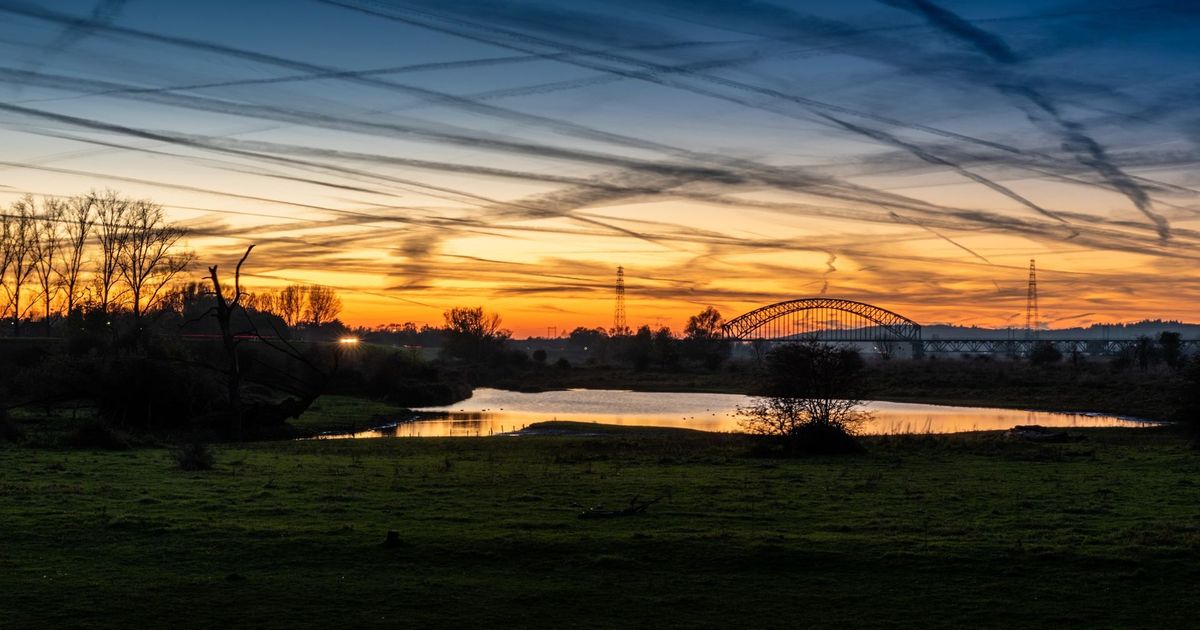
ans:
(620, 325)
(1031, 302)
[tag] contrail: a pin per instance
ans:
(933, 159)
(650, 75)
(103, 13)
(1086, 149)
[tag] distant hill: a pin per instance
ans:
(1133, 330)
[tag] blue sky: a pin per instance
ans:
(424, 154)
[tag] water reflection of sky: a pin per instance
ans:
(492, 412)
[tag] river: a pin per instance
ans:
(494, 411)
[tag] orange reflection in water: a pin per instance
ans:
(496, 412)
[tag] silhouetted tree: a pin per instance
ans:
(1044, 352)
(638, 348)
(323, 305)
(18, 256)
(594, 341)
(473, 333)
(666, 348)
(111, 211)
(704, 325)
(1170, 345)
(289, 303)
(149, 258)
(46, 249)
(1145, 352)
(703, 340)
(226, 306)
(812, 398)
(79, 218)
(262, 413)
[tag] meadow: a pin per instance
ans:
(921, 531)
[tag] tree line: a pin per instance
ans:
(102, 253)
(98, 251)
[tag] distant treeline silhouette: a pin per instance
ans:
(112, 257)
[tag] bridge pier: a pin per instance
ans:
(918, 349)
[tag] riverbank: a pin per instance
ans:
(921, 532)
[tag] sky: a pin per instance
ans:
(419, 155)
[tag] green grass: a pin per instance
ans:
(958, 531)
(345, 414)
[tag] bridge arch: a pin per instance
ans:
(827, 319)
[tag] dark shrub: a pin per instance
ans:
(404, 380)
(1044, 353)
(1189, 402)
(1170, 346)
(193, 456)
(29, 354)
(10, 431)
(813, 370)
(96, 434)
(562, 363)
(539, 356)
(811, 439)
(146, 394)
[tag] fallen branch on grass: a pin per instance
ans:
(635, 507)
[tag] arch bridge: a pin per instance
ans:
(848, 321)
(824, 319)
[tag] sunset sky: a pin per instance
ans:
(425, 154)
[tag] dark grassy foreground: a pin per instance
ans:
(921, 532)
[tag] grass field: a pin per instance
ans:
(958, 531)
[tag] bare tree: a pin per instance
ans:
(472, 333)
(79, 218)
(323, 305)
(20, 236)
(812, 400)
(111, 212)
(46, 250)
(149, 258)
(7, 227)
(263, 302)
(304, 391)
(290, 304)
(704, 325)
(225, 307)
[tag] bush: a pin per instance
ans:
(10, 431)
(805, 426)
(813, 439)
(1044, 353)
(96, 434)
(193, 456)
(812, 403)
(404, 380)
(1189, 400)
(146, 394)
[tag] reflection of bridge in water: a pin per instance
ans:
(846, 321)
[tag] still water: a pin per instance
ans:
(494, 411)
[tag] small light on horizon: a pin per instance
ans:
(348, 340)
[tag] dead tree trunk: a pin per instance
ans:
(224, 310)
